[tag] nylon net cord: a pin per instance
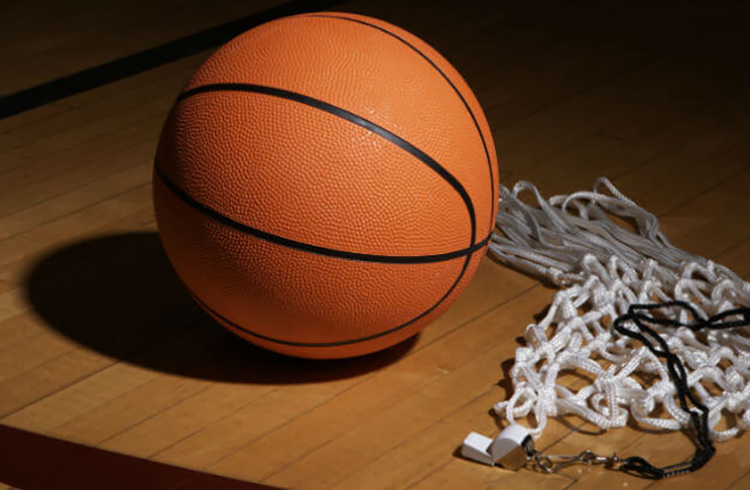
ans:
(602, 267)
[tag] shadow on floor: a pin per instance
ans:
(119, 296)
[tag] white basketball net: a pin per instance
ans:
(573, 242)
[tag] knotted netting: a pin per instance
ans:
(606, 253)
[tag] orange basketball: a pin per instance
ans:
(325, 185)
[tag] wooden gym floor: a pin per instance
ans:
(100, 346)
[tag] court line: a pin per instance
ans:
(112, 71)
(37, 461)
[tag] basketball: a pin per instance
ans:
(325, 185)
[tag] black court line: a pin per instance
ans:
(141, 61)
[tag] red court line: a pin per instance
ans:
(33, 461)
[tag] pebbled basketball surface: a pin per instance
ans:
(325, 185)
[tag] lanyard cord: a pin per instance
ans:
(640, 315)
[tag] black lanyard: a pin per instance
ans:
(641, 315)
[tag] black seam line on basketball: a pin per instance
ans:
(307, 247)
(340, 342)
(450, 82)
(133, 64)
(353, 118)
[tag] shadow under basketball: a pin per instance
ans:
(118, 295)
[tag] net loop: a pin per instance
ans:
(607, 254)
